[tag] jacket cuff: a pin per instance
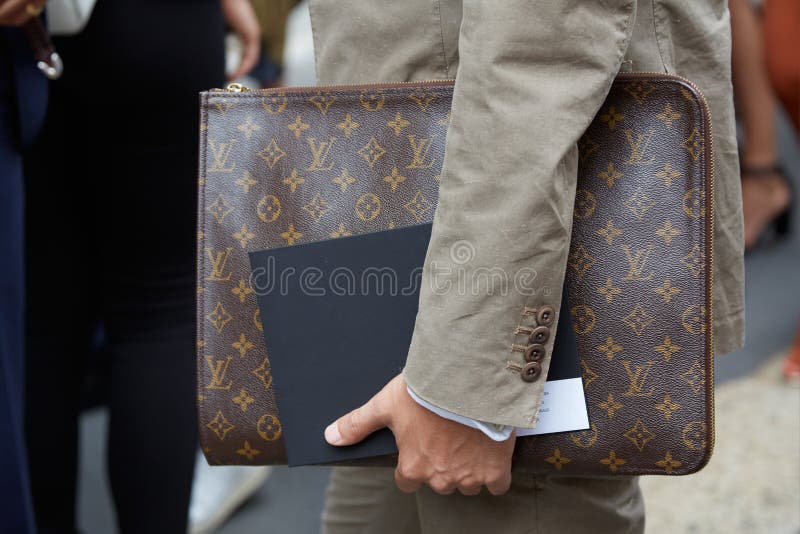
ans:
(493, 431)
(489, 379)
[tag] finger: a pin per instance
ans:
(501, 485)
(356, 425)
(405, 483)
(11, 6)
(442, 486)
(470, 490)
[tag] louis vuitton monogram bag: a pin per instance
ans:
(296, 165)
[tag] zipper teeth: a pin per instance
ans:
(709, 187)
(239, 88)
(711, 204)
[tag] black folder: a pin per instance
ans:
(338, 317)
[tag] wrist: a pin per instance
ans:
(492, 431)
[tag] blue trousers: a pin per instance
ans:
(17, 514)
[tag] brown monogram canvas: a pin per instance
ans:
(289, 166)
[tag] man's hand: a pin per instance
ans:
(441, 453)
(17, 12)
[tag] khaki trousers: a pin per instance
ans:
(365, 500)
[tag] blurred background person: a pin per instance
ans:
(782, 44)
(766, 77)
(766, 191)
(111, 185)
(23, 96)
(272, 16)
(781, 22)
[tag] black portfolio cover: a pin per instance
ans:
(338, 317)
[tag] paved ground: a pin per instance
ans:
(751, 485)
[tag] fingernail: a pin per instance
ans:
(332, 434)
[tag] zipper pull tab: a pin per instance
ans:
(237, 88)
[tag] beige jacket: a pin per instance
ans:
(530, 76)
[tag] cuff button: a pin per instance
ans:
(540, 335)
(531, 371)
(545, 316)
(535, 353)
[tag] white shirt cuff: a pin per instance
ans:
(495, 432)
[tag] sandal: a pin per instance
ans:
(771, 179)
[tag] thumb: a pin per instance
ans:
(356, 425)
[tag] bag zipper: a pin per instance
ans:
(241, 88)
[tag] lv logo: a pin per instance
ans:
(219, 260)
(638, 378)
(275, 104)
(219, 371)
(637, 260)
(221, 152)
(640, 144)
(319, 153)
(420, 147)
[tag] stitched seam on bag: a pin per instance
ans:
(708, 364)
(202, 269)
